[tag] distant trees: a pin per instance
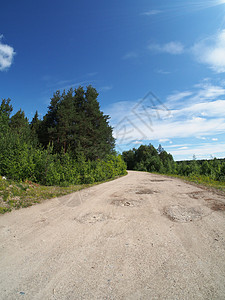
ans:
(147, 158)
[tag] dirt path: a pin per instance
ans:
(142, 236)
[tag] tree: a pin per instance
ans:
(19, 123)
(160, 149)
(75, 123)
(35, 126)
(5, 111)
(205, 168)
(155, 164)
(129, 158)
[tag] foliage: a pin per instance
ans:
(14, 195)
(147, 158)
(75, 123)
(73, 144)
(203, 180)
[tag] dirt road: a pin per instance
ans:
(142, 236)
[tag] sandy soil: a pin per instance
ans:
(142, 236)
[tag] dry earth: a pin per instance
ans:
(142, 236)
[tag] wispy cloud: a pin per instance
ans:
(204, 150)
(211, 51)
(200, 116)
(53, 84)
(179, 95)
(206, 90)
(173, 47)
(130, 55)
(105, 88)
(91, 74)
(151, 12)
(201, 93)
(7, 54)
(160, 71)
(165, 141)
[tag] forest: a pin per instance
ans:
(71, 144)
(148, 158)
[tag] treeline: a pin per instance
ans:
(147, 158)
(213, 169)
(72, 144)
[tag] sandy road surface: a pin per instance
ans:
(142, 236)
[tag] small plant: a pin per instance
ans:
(4, 210)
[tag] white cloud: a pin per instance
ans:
(6, 55)
(209, 91)
(182, 125)
(105, 88)
(173, 47)
(200, 151)
(160, 71)
(190, 119)
(183, 148)
(212, 109)
(164, 140)
(151, 12)
(202, 93)
(211, 51)
(130, 55)
(179, 95)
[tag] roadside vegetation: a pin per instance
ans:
(15, 195)
(210, 173)
(70, 147)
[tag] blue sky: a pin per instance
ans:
(159, 66)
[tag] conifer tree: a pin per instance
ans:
(75, 123)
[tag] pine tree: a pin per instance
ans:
(35, 128)
(75, 123)
(5, 111)
(19, 126)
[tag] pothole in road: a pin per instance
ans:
(92, 218)
(178, 213)
(213, 204)
(216, 205)
(146, 192)
(159, 180)
(125, 202)
(196, 195)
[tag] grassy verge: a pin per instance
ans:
(204, 181)
(14, 195)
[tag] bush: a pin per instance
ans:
(21, 161)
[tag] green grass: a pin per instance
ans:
(15, 195)
(203, 180)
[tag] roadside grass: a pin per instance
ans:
(15, 195)
(204, 181)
